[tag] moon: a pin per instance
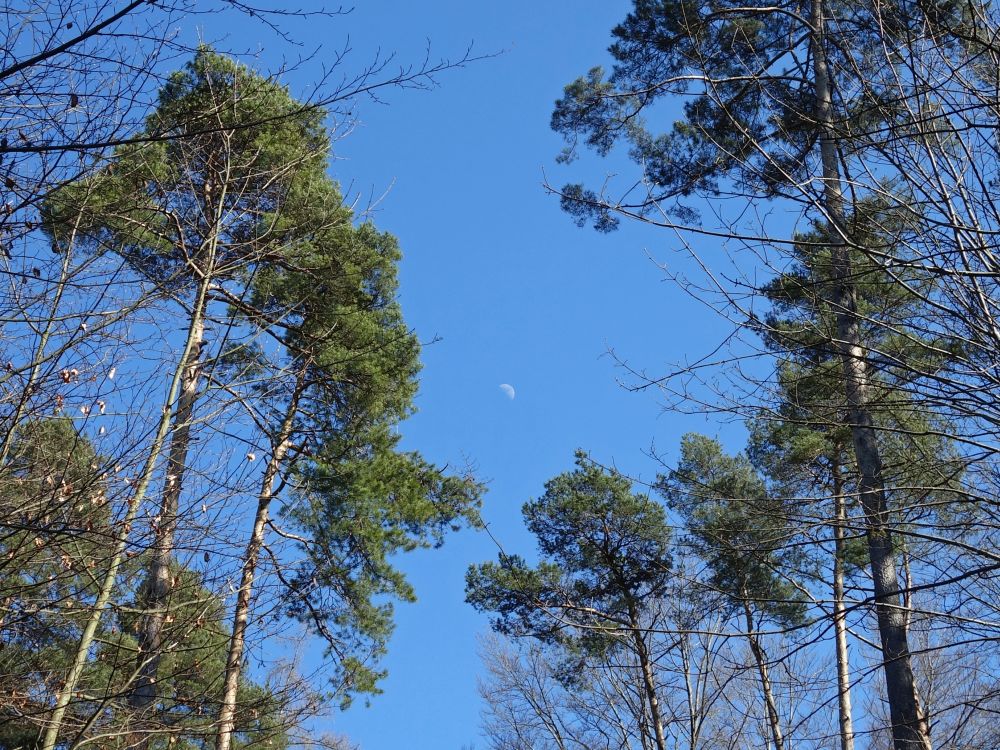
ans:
(508, 390)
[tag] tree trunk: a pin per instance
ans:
(839, 611)
(648, 678)
(38, 357)
(241, 615)
(909, 731)
(765, 679)
(690, 692)
(158, 579)
(65, 694)
(907, 586)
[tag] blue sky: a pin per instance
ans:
(513, 292)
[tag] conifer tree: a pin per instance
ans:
(193, 215)
(346, 378)
(771, 99)
(49, 588)
(605, 559)
(743, 534)
(235, 221)
(802, 442)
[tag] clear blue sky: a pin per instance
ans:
(516, 293)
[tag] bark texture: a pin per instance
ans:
(241, 615)
(158, 580)
(909, 729)
(773, 719)
(840, 614)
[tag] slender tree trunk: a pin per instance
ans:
(909, 731)
(241, 615)
(38, 358)
(158, 578)
(907, 586)
(648, 678)
(773, 719)
(690, 692)
(654, 703)
(908, 617)
(65, 694)
(839, 611)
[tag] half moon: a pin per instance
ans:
(508, 390)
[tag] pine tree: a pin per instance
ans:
(347, 378)
(57, 486)
(743, 534)
(771, 102)
(802, 443)
(605, 559)
(193, 215)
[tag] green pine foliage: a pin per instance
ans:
(605, 556)
(733, 523)
(53, 496)
(332, 303)
(224, 150)
(741, 75)
(232, 186)
(806, 435)
(56, 486)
